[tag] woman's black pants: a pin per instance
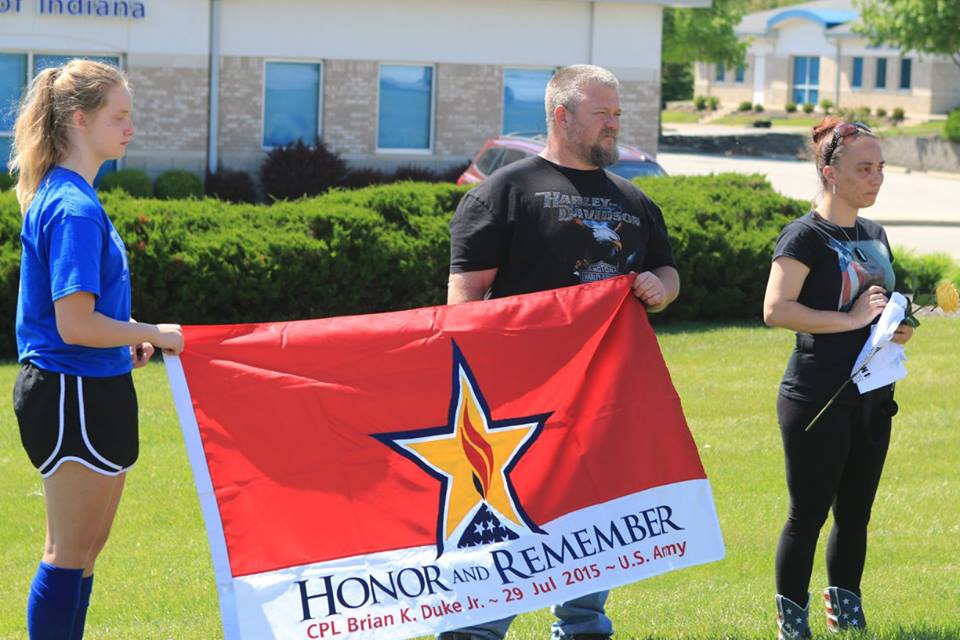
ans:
(836, 464)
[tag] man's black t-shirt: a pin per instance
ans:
(543, 226)
(821, 362)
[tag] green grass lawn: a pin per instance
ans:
(932, 128)
(668, 117)
(155, 580)
(747, 119)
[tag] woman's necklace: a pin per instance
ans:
(857, 251)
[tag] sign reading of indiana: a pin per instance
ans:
(400, 474)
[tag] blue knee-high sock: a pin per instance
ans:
(86, 586)
(52, 606)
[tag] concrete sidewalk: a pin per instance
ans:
(695, 129)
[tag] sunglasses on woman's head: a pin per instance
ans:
(840, 132)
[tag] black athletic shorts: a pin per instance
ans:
(89, 420)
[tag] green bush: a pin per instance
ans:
(808, 107)
(723, 229)
(758, 108)
(6, 181)
(897, 115)
(713, 102)
(881, 112)
(700, 102)
(863, 112)
(791, 107)
(920, 274)
(826, 104)
(387, 248)
(178, 185)
(951, 129)
(676, 82)
(845, 114)
(10, 222)
(133, 181)
(744, 106)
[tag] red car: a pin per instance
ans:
(501, 151)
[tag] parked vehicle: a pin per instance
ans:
(501, 151)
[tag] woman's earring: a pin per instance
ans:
(834, 188)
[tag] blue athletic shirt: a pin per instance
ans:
(70, 245)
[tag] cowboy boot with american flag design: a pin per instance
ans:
(792, 623)
(844, 610)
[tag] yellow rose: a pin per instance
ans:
(947, 296)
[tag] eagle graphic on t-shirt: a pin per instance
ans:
(600, 261)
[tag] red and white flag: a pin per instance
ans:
(401, 474)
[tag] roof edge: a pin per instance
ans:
(825, 19)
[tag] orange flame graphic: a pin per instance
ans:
(478, 451)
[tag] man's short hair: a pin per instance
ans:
(568, 84)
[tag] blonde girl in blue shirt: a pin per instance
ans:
(74, 396)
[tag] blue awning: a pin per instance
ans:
(824, 17)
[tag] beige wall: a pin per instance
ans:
(701, 83)
(469, 107)
(640, 123)
(350, 106)
(945, 87)
(729, 92)
(170, 116)
(778, 74)
(915, 101)
(241, 112)
(829, 72)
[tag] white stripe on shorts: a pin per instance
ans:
(56, 449)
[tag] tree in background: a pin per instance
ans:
(698, 35)
(676, 82)
(925, 26)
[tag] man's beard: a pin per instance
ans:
(596, 154)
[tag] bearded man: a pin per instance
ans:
(555, 220)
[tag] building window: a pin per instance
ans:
(721, 73)
(881, 77)
(741, 74)
(806, 79)
(856, 81)
(13, 82)
(406, 108)
(291, 103)
(523, 93)
(905, 69)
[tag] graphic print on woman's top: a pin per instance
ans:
(70, 245)
(544, 226)
(821, 362)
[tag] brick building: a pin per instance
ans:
(383, 82)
